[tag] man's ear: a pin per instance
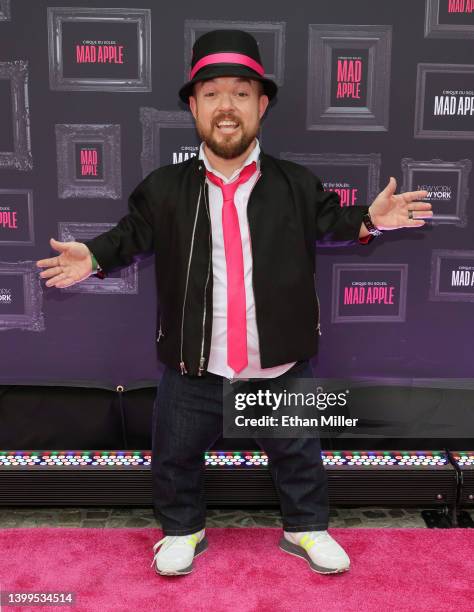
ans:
(192, 105)
(262, 104)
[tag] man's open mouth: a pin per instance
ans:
(227, 127)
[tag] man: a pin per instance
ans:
(233, 231)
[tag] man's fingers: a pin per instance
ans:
(53, 261)
(419, 214)
(51, 272)
(55, 282)
(411, 196)
(65, 283)
(420, 206)
(415, 204)
(60, 246)
(391, 186)
(50, 261)
(414, 223)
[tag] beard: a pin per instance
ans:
(228, 146)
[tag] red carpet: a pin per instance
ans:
(401, 570)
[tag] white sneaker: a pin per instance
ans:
(177, 553)
(318, 548)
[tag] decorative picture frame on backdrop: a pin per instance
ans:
(354, 176)
(99, 49)
(16, 217)
(126, 280)
(452, 276)
(444, 101)
(348, 80)
(448, 19)
(15, 136)
(20, 290)
(369, 293)
(5, 13)
(89, 161)
(448, 189)
(168, 137)
(270, 36)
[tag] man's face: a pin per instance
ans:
(227, 112)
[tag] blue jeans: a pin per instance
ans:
(187, 421)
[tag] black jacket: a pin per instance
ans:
(288, 211)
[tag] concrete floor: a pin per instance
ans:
(143, 517)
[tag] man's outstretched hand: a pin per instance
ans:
(73, 265)
(390, 211)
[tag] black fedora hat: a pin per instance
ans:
(226, 53)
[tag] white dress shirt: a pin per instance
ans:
(218, 355)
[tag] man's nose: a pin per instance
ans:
(226, 101)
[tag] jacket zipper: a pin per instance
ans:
(318, 328)
(160, 333)
(181, 363)
(202, 358)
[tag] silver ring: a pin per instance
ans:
(410, 214)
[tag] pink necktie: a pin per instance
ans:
(236, 306)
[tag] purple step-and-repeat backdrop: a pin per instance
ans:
(89, 106)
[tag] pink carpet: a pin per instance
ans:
(401, 570)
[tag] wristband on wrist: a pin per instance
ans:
(367, 220)
(95, 264)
